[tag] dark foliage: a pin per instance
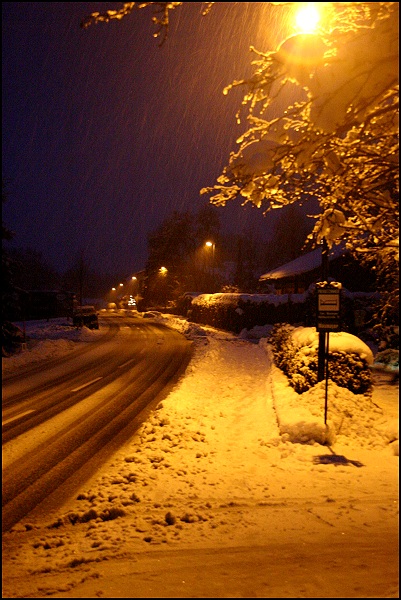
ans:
(12, 338)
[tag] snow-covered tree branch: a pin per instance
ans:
(160, 18)
(337, 138)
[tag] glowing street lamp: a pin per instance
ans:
(303, 51)
(307, 18)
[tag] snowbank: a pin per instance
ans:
(338, 341)
(350, 417)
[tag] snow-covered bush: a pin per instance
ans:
(389, 361)
(283, 348)
(234, 312)
(295, 351)
(389, 336)
(302, 370)
(349, 370)
(346, 369)
(389, 358)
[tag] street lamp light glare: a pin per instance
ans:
(209, 244)
(133, 278)
(121, 284)
(307, 18)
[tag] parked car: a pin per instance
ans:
(85, 316)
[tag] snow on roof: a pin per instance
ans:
(302, 264)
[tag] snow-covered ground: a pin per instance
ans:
(230, 459)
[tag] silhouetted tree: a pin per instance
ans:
(11, 336)
(248, 253)
(170, 246)
(288, 239)
(84, 282)
(32, 272)
(207, 224)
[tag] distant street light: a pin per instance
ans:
(117, 295)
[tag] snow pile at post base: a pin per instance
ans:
(350, 417)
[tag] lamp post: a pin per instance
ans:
(121, 285)
(113, 298)
(211, 245)
(163, 274)
(134, 279)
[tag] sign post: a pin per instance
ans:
(328, 319)
(322, 334)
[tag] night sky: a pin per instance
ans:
(105, 133)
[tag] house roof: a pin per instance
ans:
(303, 264)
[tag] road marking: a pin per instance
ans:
(81, 387)
(126, 363)
(17, 417)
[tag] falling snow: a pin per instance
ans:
(105, 134)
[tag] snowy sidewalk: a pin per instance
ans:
(208, 442)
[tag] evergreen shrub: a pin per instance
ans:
(346, 369)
